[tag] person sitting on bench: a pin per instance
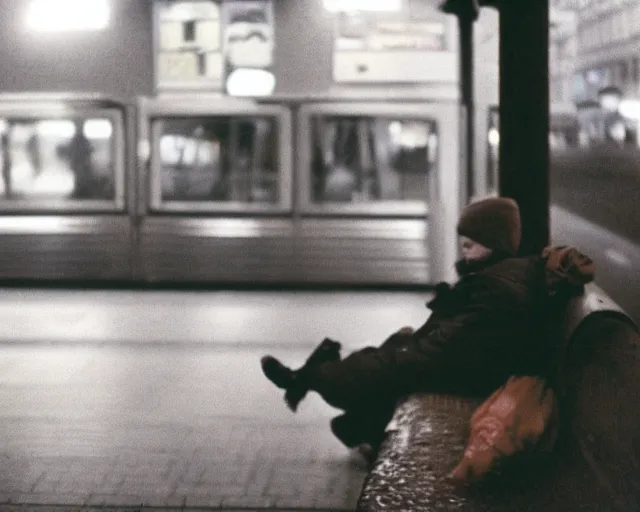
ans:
(481, 331)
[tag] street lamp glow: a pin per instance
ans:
(60, 129)
(630, 109)
(251, 82)
(98, 129)
(609, 102)
(68, 15)
(494, 137)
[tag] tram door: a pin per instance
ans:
(370, 174)
(217, 182)
(63, 193)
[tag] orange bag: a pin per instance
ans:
(519, 417)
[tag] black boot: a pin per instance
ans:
(327, 351)
(277, 373)
(285, 378)
(348, 429)
(356, 428)
(294, 382)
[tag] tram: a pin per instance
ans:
(350, 174)
(65, 195)
(296, 191)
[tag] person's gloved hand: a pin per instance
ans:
(398, 339)
(442, 288)
(442, 298)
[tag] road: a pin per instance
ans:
(595, 196)
(617, 259)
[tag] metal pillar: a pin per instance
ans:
(524, 115)
(467, 12)
(465, 24)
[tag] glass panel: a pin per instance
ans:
(219, 159)
(368, 159)
(57, 159)
(594, 139)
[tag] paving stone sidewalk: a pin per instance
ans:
(66, 508)
(98, 427)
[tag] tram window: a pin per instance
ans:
(228, 159)
(367, 159)
(57, 159)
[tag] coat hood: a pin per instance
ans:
(566, 265)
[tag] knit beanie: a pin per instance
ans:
(494, 223)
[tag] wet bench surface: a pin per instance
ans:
(597, 464)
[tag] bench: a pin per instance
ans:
(596, 466)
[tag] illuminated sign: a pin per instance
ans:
(413, 45)
(188, 45)
(214, 45)
(248, 47)
(375, 33)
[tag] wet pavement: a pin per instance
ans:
(174, 422)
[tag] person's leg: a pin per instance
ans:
(368, 375)
(286, 378)
(363, 377)
(365, 425)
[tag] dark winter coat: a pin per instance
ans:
(482, 330)
(500, 320)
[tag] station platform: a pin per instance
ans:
(115, 399)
